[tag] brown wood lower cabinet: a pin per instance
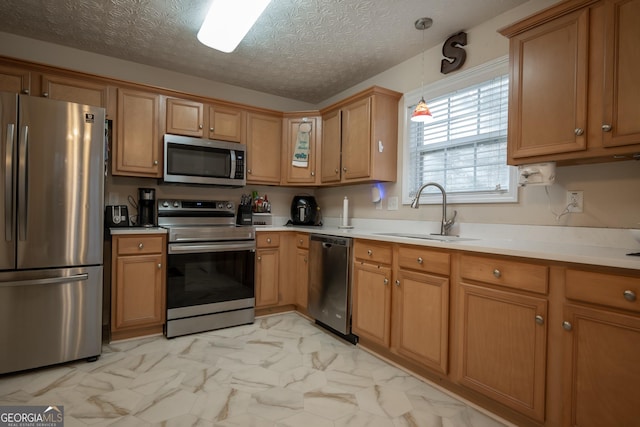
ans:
(267, 278)
(138, 285)
(302, 271)
(502, 347)
(372, 302)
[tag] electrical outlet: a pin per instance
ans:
(575, 201)
(392, 203)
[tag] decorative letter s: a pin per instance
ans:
(453, 52)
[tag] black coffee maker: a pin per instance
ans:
(146, 207)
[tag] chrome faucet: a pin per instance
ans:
(445, 224)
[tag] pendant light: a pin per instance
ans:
(421, 113)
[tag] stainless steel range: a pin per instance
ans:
(210, 266)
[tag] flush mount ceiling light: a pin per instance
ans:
(421, 113)
(228, 21)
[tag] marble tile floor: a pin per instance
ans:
(281, 371)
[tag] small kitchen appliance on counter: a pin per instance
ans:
(146, 207)
(116, 216)
(305, 211)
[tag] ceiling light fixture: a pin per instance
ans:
(422, 113)
(228, 21)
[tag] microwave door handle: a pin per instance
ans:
(233, 164)
(8, 183)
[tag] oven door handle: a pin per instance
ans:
(191, 248)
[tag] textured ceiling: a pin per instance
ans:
(308, 50)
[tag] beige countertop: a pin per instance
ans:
(137, 230)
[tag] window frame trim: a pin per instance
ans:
(466, 78)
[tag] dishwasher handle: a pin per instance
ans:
(326, 245)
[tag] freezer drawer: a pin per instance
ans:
(49, 317)
(329, 281)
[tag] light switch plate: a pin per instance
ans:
(392, 203)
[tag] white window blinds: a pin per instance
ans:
(465, 147)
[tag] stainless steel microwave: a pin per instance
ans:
(204, 161)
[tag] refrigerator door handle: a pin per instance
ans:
(8, 184)
(47, 281)
(22, 184)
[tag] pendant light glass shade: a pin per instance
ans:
(421, 113)
(228, 21)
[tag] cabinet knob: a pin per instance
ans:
(369, 252)
(567, 326)
(398, 283)
(313, 174)
(579, 131)
(300, 241)
(268, 239)
(159, 266)
(210, 129)
(497, 273)
(45, 94)
(606, 128)
(249, 171)
(305, 259)
(337, 170)
(539, 320)
(140, 246)
(629, 295)
(420, 260)
(344, 169)
(25, 91)
(386, 281)
(155, 162)
(259, 258)
(200, 126)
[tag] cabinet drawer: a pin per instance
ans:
(302, 240)
(369, 251)
(511, 274)
(134, 245)
(605, 289)
(421, 259)
(267, 240)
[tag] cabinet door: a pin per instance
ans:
(225, 123)
(356, 140)
(294, 172)
(74, 90)
(139, 291)
(15, 80)
(502, 347)
(185, 117)
(372, 302)
(602, 350)
(267, 277)
(548, 88)
(264, 138)
(137, 147)
(330, 148)
(421, 299)
(302, 277)
(621, 122)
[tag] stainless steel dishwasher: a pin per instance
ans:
(330, 283)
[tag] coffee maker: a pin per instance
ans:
(146, 207)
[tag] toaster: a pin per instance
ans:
(116, 216)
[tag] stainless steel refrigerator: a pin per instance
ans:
(51, 228)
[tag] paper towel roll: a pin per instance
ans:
(345, 212)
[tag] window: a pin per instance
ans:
(464, 148)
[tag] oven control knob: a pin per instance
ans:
(220, 205)
(176, 204)
(229, 205)
(165, 204)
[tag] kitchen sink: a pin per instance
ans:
(436, 237)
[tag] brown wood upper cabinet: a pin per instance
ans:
(264, 141)
(573, 83)
(360, 138)
(305, 130)
(192, 118)
(137, 148)
(77, 90)
(15, 79)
